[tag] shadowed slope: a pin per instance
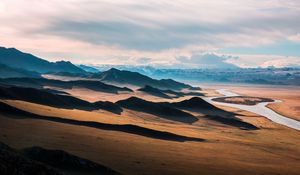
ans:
(194, 103)
(13, 112)
(8, 72)
(164, 93)
(157, 109)
(41, 82)
(12, 163)
(233, 121)
(109, 106)
(42, 97)
(55, 100)
(213, 113)
(154, 91)
(39, 161)
(65, 161)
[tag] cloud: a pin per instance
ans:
(205, 61)
(122, 31)
(251, 61)
(295, 38)
(279, 63)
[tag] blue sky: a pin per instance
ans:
(164, 33)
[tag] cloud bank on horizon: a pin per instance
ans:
(246, 33)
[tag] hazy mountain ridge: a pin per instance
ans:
(14, 58)
(271, 75)
(9, 72)
(133, 78)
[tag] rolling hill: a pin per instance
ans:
(12, 162)
(167, 93)
(157, 109)
(37, 160)
(154, 91)
(45, 97)
(41, 82)
(211, 112)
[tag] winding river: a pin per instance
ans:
(260, 109)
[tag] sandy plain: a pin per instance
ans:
(273, 149)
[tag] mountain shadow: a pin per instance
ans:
(232, 121)
(158, 109)
(154, 91)
(10, 111)
(11, 162)
(197, 104)
(194, 104)
(65, 162)
(37, 161)
(166, 93)
(41, 82)
(45, 97)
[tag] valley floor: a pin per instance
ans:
(272, 149)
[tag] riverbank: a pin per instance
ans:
(243, 100)
(288, 95)
(260, 109)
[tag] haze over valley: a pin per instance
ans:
(149, 87)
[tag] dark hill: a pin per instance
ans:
(9, 72)
(157, 109)
(65, 161)
(213, 113)
(10, 111)
(108, 106)
(44, 97)
(14, 58)
(165, 93)
(133, 78)
(175, 93)
(13, 163)
(41, 82)
(40, 161)
(153, 91)
(195, 103)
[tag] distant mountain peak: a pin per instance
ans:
(114, 75)
(114, 70)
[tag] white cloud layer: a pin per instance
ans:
(122, 31)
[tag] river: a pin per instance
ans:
(260, 109)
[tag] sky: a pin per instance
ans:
(162, 33)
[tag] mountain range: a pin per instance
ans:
(40, 83)
(16, 59)
(133, 78)
(14, 63)
(9, 72)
